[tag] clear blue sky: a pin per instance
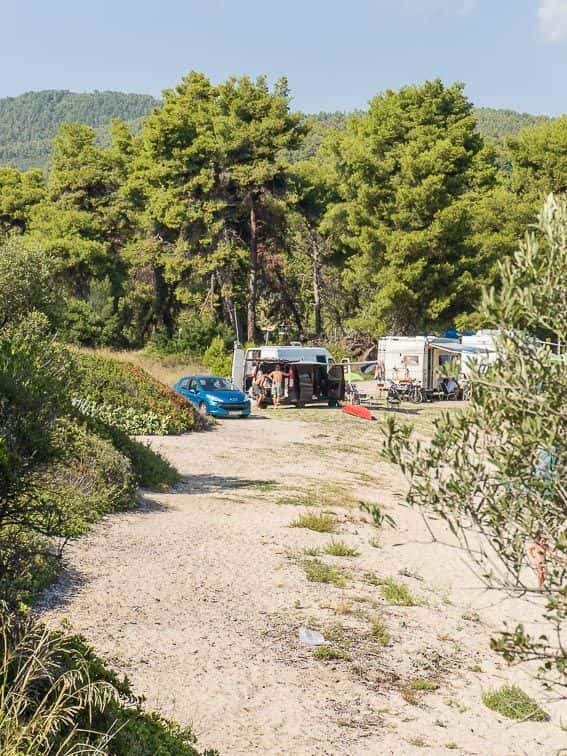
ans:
(336, 54)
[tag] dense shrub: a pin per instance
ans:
(192, 336)
(26, 282)
(217, 358)
(126, 397)
(57, 696)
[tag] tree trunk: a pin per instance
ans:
(288, 299)
(252, 276)
(316, 291)
(229, 310)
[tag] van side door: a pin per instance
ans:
(305, 375)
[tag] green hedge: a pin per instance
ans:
(124, 396)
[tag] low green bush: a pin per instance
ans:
(124, 396)
(58, 696)
(512, 702)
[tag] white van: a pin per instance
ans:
(245, 361)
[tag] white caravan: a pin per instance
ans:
(414, 358)
(420, 358)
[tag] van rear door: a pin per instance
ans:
(238, 367)
(336, 377)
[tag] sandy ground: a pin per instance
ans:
(199, 594)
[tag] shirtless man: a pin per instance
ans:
(278, 377)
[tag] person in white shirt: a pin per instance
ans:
(452, 387)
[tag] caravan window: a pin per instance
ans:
(322, 359)
(410, 360)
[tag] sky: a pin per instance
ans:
(336, 54)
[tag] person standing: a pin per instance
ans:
(278, 377)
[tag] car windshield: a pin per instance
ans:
(214, 383)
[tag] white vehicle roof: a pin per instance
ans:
(290, 352)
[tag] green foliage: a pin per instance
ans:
(539, 158)
(497, 124)
(408, 174)
(319, 572)
(26, 282)
(321, 522)
(58, 696)
(512, 702)
(125, 397)
(204, 224)
(29, 122)
(422, 683)
(341, 549)
(326, 653)
(379, 632)
(217, 358)
(379, 517)
(192, 337)
(498, 469)
(151, 469)
(397, 593)
(19, 193)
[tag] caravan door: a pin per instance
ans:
(238, 368)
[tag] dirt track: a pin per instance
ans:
(199, 594)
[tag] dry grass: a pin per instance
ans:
(379, 632)
(167, 370)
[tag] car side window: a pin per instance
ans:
(193, 386)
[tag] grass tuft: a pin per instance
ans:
(397, 593)
(312, 551)
(319, 572)
(379, 633)
(326, 653)
(512, 702)
(341, 549)
(421, 683)
(321, 522)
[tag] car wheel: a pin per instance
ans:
(203, 409)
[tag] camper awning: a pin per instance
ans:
(461, 348)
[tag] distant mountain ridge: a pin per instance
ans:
(29, 121)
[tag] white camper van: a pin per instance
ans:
(244, 361)
(312, 375)
(414, 358)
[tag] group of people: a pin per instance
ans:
(264, 384)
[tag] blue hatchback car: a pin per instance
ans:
(213, 395)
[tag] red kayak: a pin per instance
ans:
(358, 411)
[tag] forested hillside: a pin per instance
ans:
(229, 214)
(29, 122)
(496, 124)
